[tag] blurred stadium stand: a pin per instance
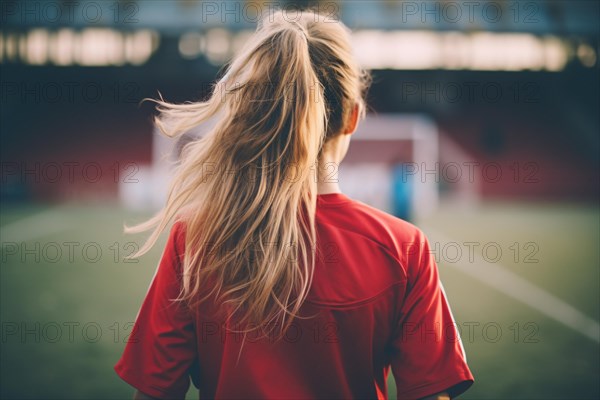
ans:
(505, 82)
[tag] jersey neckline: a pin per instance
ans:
(332, 199)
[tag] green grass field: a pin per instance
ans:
(83, 303)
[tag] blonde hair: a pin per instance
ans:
(251, 233)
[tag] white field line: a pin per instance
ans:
(511, 284)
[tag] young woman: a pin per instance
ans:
(273, 284)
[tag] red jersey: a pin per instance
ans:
(375, 304)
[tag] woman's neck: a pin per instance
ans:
(326, 188)
(327, 181)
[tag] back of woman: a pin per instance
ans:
(273, 284)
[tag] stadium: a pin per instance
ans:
(482, 129)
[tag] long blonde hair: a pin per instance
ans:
(247, 189)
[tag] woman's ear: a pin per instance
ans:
(352, 122)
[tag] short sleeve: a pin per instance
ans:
(428, 356)
(162, 346)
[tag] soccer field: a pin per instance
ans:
(69, 298)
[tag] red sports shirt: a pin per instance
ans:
(376, 303)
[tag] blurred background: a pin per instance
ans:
(483, 130)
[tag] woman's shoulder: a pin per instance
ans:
(399, 237)
(177, 234)
(400, 228)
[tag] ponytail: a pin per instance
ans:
(246, 191)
